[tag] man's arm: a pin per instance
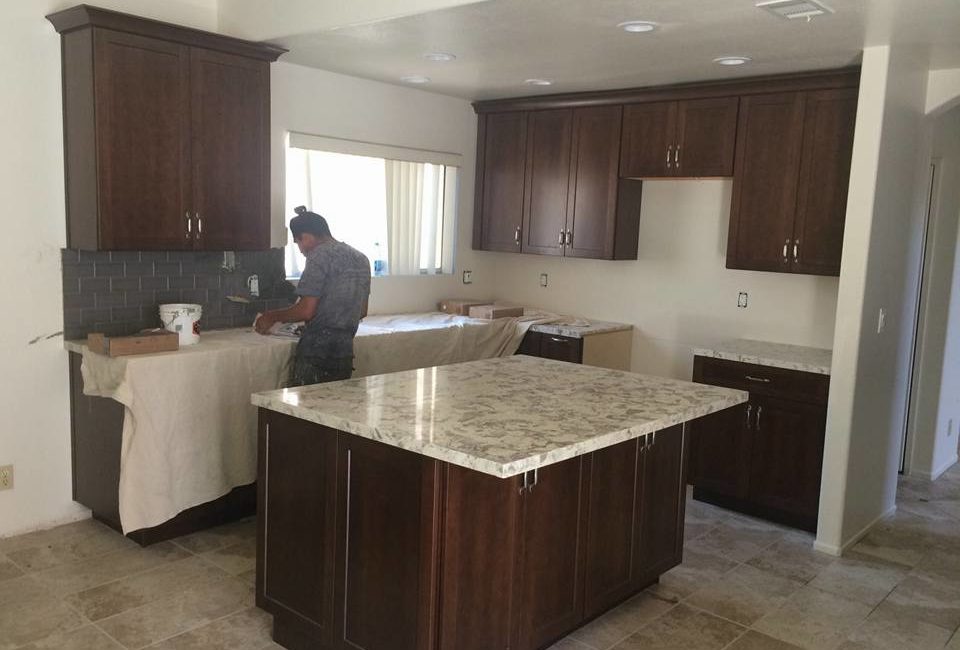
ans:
(303, 310)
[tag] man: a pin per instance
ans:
(333, 290)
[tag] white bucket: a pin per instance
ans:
(184, 319)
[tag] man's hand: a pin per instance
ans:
(264, 323)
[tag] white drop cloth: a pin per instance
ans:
(189, 430)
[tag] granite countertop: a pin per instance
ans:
(776, 355)
(502, 416)
(580, 328)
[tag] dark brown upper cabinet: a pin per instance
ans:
(791, 179)
(166, 135)
(691, 138)
(547, 184)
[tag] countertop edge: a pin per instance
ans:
(762, 361)
(493, 468)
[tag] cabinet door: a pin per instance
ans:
(547, 183)
(500, 212)
(787, 457)
(824, 180)
(530, 345)
(387, 545)
(142, 103)
(767, 166)
(231, 151)
(552, 557)
(297, 523)
(706, 137)
(662, 502)
(649, 134)
(480, 547)
(610, 526)
(721, 451)
(593, 192)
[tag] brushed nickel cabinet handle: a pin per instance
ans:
(569, 238)
(759, 413)
(560, 239)
(749, 413)
(516, 235)
(676, 157)
(524, 483)
(762, 380)
(669, 148)
(199, 225)
(189, 225)
(796, 250)
(786, 247)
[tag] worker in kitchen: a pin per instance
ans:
(333, 292)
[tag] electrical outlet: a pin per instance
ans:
(742, 300)
(6, 477)
(544, 279)
(468, 277)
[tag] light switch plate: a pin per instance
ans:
(544, 279)
(6, 477)
(742, 300)
(468, 277)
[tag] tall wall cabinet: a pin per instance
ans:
(166, 135)
(561, 175)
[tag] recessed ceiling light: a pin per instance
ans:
(440, 57)
(538, 82)
(638, 26)
(415, 79)
(732, 60)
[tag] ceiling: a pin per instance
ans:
(577, 45)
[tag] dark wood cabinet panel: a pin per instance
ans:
(385, 595)
(706, 137)
(662, 503)
(592, 215)
(787, 457)
(143, 142)
(830, 116)
(769, 138)
(764, 458)
(552, 564)
(611, 524)
(721, 451)
(502, 179)
(548, 181)
(478, 577)
(167, 134)
(231, 151)
(648, 140)
(300, 465)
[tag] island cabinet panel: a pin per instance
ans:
(481, 544)
(721, 457)
(662, 503)
(611, 526)
(387, 529)
(552, 566)
(297, 485)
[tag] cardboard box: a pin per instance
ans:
(459, 306)
(143, 343)
(491, 312)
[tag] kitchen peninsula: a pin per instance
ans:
(485, 505)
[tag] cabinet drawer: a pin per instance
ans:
(561, 348)
(762, 380)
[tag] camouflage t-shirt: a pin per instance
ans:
(339, 276)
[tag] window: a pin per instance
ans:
(397, 206)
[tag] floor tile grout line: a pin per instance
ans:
(196, 627)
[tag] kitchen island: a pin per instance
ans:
(486, 505)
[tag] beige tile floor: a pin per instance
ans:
(744, 585)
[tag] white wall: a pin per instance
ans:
(312, 101)
(679, 294)
(880, 266)
(34, 401)
(936, 407)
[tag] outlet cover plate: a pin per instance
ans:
(742, 300)
(6, 477)
(544, 279)
(468, 277)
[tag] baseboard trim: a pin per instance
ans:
(837, 551)
(936, 472)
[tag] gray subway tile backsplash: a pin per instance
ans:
(120, 292)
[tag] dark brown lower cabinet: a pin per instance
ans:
(366, 546)
(552, 346)
(763, 458)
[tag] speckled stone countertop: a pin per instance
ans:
(776, 355)
(502, 416)
(578, 329)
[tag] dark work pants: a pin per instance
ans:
(313, 370)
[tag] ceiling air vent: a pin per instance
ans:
(795, 9)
